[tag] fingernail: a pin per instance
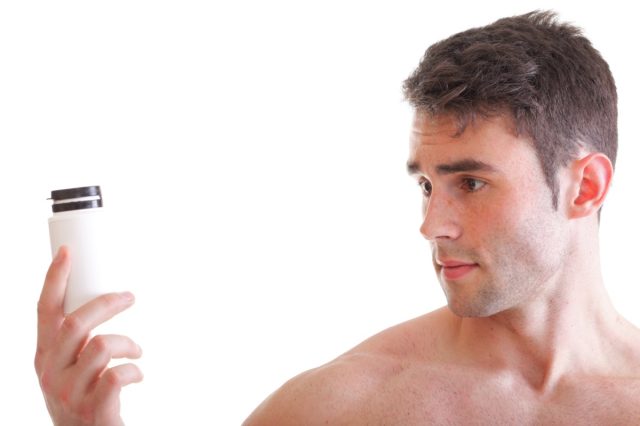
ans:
(128, 296)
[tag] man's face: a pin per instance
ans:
(496, 239)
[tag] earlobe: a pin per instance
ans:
(593, 175)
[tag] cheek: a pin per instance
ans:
(504, 223)
(491, 219)
(518, 210)
(528, 234)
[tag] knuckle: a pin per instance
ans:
(112, 379)
(46, 382)
(72, 325)
(100, 345)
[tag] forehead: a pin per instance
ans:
(437, 140)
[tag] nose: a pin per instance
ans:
(441, 218)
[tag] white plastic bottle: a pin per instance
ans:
(78, 223)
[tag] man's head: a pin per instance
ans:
(514, 130)
(543, 75)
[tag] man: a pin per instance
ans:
(513, 144)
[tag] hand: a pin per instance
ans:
(78, 387)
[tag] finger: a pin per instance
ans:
(77, 326)
(107, 392)
(50, 311)
(96, 355)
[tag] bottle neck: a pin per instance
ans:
(68, 213)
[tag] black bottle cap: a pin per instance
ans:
(70, 193)
(85, 197)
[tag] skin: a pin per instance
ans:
(78, 388)
(529, 335)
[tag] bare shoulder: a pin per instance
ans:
(339, 391)
(325, 395)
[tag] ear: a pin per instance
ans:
(591, 180)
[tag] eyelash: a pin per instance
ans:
(426, 190)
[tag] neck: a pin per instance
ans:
(570, 327)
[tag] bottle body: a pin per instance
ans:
(83, 231)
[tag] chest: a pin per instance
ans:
(458, 399)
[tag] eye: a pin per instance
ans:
(472, 185)
(425, 185)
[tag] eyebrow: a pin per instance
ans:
(464, 165)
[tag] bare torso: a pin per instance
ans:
(408, 375)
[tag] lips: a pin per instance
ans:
(455, 269)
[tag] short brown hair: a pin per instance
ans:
(546, 75)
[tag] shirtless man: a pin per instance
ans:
(513, 145)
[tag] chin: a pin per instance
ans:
(468, 309)
(466, 312)
(475, 300)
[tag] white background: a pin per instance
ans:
(252, 157)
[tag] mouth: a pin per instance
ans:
(455, 270)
